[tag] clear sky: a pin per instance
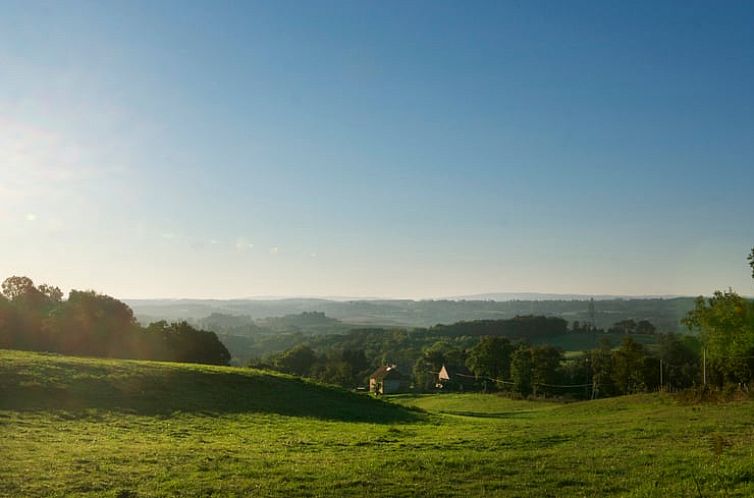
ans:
(391, 148)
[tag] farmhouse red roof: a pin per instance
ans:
(384, 371)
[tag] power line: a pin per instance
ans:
(509, 382)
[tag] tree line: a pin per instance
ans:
(495, 354)
(721, 355)
(483, 354)
(499, 364)
(495, 363)
(38, 318)
(725, 323)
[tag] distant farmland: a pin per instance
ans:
(664, 313)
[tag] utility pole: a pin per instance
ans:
(704, 365)
(660, 373)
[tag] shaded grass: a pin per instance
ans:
(32, 382)
(465, 445)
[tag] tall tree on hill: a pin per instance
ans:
(16, 287)
(601, 367)
(680, 360)
(346, 367)
(726, 325)
(357, 362)
(431, 361)
(521, 370)
(629, 367)
(546, 362)
(181, 342)
(333, 370)
(30, 308)
(6, 323)
(297, 360)
(491, 357)
(93, 324)
(25, 296)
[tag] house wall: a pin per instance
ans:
(443, 375)
(392, 386)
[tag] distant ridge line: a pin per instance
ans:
(545, 296)
(498, 297)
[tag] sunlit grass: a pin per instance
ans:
(132, 429)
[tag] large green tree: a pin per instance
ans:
(88, 323)
(30, 308)
(432, 360)
(680, 360)
(546, 362)
(297, 360)
(179, 341)
(346, 367)
(600, 368)
(7, 338)
(93, 324)
(521, 370)
(491, 357)
(629, 367)
(726, 325)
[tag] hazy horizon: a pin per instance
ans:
(489, 296)
(401, 150)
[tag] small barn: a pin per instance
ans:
(387, 380)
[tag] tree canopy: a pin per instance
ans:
(92, 324)
(726, 325)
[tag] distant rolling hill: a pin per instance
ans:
(665, 313)
(544, 296)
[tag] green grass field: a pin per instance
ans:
(85, 427)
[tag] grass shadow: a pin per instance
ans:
(47, 382)
(497, 415)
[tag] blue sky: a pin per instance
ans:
(397, 149)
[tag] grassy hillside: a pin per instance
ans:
(82, 427)
(34, 382)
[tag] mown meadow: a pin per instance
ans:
(92, 427)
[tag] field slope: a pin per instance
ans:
(37, 382)
(86, 427)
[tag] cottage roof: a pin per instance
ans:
(443, 374)
(386, 371)
(447, 373)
